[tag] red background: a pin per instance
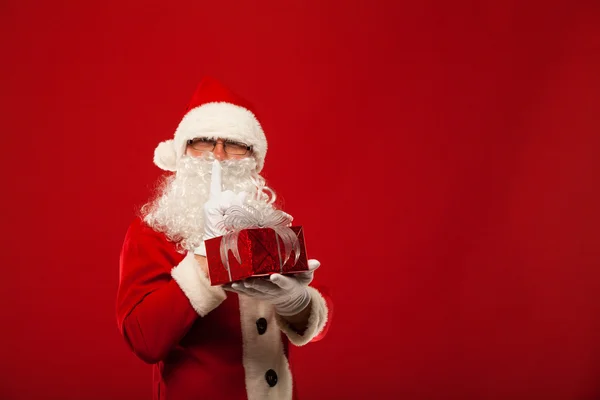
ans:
(442, 156)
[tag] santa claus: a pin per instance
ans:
(214, 342)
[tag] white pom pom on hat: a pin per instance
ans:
(165, 156)
(214, 111)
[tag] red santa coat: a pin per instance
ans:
(203, 342)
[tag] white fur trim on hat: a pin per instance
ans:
(193, 282)
(222, 120)
(316, 320)
(165, 156)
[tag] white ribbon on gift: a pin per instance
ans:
(239, 218)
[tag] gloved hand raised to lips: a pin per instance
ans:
(216, 206)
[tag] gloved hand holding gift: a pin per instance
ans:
(288, 295)
(242, 240)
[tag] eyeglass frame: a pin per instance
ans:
(249, 148)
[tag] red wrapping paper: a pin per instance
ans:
(260, 254)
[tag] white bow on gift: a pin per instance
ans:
(238, 218)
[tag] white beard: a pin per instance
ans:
(177, 209)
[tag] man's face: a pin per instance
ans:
(222, 149)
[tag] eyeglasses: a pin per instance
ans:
(229, 146)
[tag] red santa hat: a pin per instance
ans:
(214, 111)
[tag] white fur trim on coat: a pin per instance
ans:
(316, 320)
(263, 352)
(193, 282)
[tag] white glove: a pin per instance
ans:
(214, 209)
(287, 293)
(306, 277)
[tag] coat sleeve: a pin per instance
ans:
(161, 294)
(321, 314)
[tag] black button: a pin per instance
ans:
(261, 325)
(271, 377)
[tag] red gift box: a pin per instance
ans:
(261, 252)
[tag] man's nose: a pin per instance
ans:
(219, 152)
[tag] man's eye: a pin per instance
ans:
(237, 144)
